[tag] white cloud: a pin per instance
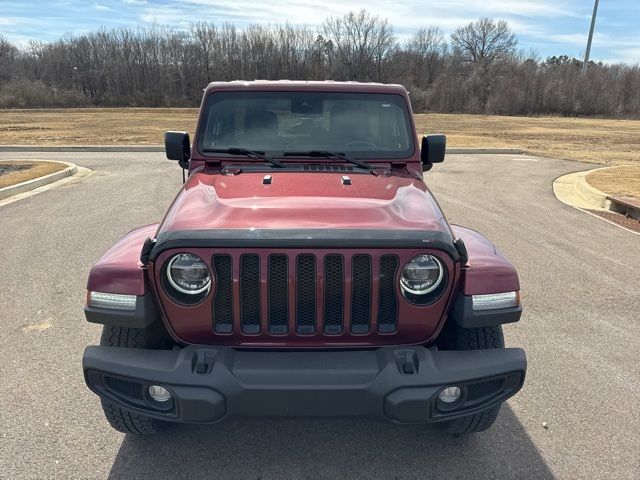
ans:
(599, 39)
(525, 8)
(433, 12)
(8, 21)
(405, 15)
(102, 8)
(625, 55)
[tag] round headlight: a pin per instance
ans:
(188, 274)
(421, 275)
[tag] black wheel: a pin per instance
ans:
(457, 338)
(120, 418)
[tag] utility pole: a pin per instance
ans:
(585, 64)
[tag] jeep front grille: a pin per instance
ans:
(333, 294)
(278, 294)
(223, 300)
(250, 293)
(388, 301)
(305, 294)
(361, 294)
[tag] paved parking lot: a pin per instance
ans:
(581, 328)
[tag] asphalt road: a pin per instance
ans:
(581, 290)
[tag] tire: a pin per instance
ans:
(126, 421)
(153, 337)
(483, 338)
(122, 419)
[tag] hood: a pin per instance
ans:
(303, 200)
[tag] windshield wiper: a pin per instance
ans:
(248, 153)
(325, 154)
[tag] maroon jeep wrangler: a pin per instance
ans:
(304, 269)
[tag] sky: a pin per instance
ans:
(544, 27)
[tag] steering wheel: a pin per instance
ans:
(361, 143)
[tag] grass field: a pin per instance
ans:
(600, 141)
(29, 171)
(623, 181)
(93, 126)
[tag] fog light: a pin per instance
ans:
(450, 395)
(159, 393)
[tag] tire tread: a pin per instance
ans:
(126, 421)
(122, 419)
(483, 338)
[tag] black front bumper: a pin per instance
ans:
(210, 383)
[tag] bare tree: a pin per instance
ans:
(425, 53)
(8, 54)
(484, 41)
(362, 45)
(480, 71)
(206, 37)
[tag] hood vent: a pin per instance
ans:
(328, 168)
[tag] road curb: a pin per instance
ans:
(573, 189)
(485, 151)
(81, 148)
(591, 194)
(34, 183)
(160, 148)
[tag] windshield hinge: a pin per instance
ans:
(381, 171)
(231, 170)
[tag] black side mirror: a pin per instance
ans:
(433, 150)
(178, 147)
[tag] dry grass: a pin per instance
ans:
(93, 126)
(601, 141)
(592, 140)
(35, 170)
(623, 181)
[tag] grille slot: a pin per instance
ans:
(250, 293)
(333, 293)
(484, 389)
(361, 294)
(306, 294)
(388, 303)
(223, 300)
(278, 294)
(124, 387)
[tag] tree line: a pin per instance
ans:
(477, 69)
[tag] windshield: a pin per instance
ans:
(360, 125)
